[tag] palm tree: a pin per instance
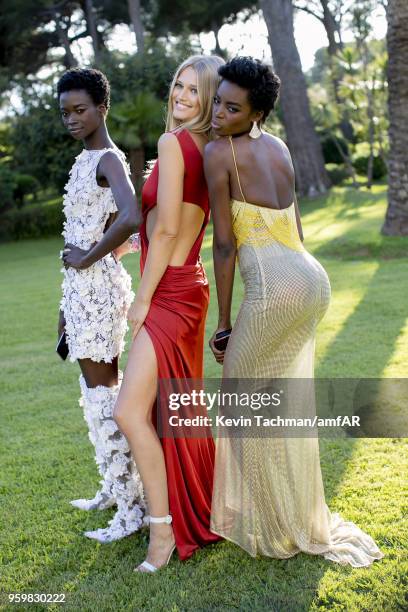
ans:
(136, 123)
(396, 219)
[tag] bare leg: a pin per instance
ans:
(133, 414)
(99, 373)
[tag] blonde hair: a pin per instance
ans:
(208, 79)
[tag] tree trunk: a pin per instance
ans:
(62, 31)
(371, 134)
(336, 75)
(304, 145)
(135, 15)
(217, 48)
(369, 91)
(137, 167)
(347, 161)
(396, 219)
(91, 23)
(331, 28)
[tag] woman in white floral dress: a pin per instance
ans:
(97, 290)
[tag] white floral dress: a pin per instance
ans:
(95, 301)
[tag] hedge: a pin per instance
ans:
(34, 221)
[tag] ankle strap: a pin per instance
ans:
(161, 519)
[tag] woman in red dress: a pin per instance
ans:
(168, 320)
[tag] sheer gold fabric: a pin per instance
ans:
(268, 492)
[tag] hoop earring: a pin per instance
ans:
(255, 132)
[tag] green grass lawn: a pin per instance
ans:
(46, 459)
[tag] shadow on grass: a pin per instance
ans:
(220, 577)
(379, 325)
(353, 203)
(353, 248)
(345, 199)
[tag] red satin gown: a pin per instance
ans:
(175, 324)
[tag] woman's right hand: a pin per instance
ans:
(61, 323)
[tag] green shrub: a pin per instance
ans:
(330, 150)
(379, 167)
(337, 173)
(7, 187)
(31, 222)
(25, 185)
(41, 145)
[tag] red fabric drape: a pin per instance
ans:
(175, 324)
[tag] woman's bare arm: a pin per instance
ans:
(169, 199)
(128, 218)
(164, 235)
(224, 244)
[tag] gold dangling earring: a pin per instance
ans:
(255, 132)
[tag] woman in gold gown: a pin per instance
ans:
(268, 492)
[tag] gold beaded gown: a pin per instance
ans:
(268, 492)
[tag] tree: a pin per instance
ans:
(360, 23)
(197, 17)
(135, 15)
(136, 124)
(62, 27)
(24, 44)
(396, 220)
(41, 145)
(329, 13)
(61, 13)
(91, 20)
(363, 95)
(32, 30)
(140, 86)
(303, 142)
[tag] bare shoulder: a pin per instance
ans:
(278, 143)
(280, 148)
(169, 150)
(111, 161)
(168, 142)
(216, 150)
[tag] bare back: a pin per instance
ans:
(191, 221)
(265, 171)
(192, 217)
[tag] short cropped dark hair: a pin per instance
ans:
(94, 82)
(258, 78)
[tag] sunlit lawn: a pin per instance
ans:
(46, 458)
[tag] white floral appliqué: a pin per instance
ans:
(95, 301)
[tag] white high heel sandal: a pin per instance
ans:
(146, 565)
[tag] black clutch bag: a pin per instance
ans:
(221, 339)
(62, 346)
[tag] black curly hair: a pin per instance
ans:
(93, 81)
(258, 78)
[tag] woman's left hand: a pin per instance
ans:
(137, 314)
(219, 355)
(74, 257)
